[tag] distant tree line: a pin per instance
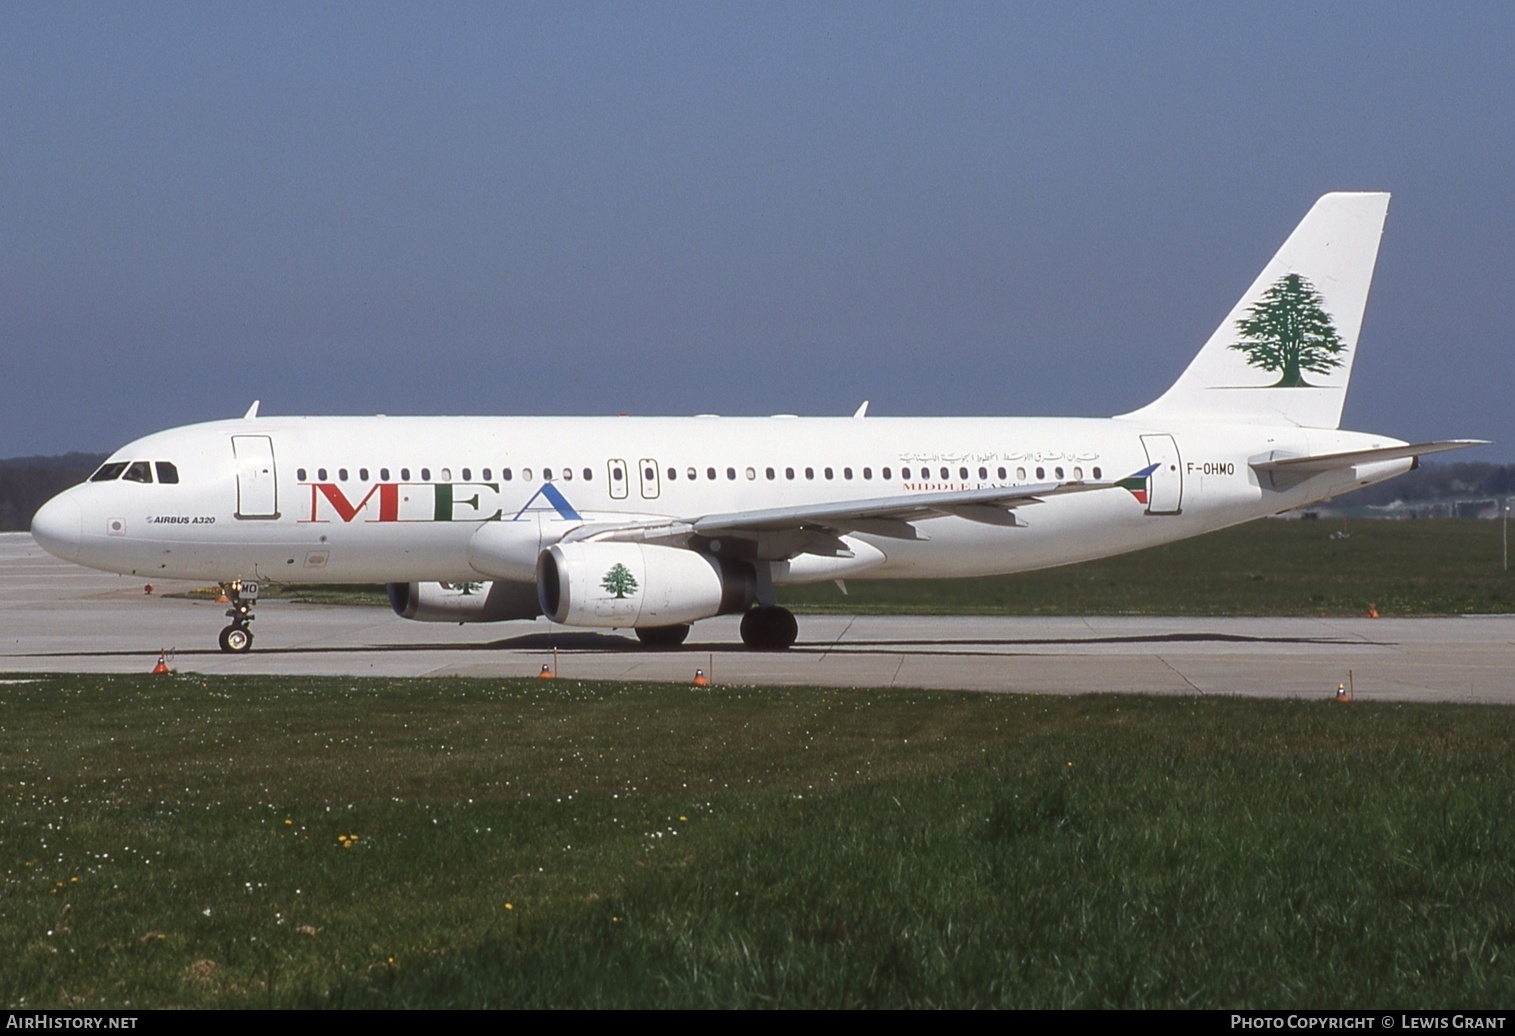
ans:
(26, 483)
(1465, 480)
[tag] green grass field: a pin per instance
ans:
(193, 842)
(1442, 567)
(1263, 568)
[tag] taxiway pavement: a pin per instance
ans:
(58, 617)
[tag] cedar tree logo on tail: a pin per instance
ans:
(619, 582)
(1289, 331)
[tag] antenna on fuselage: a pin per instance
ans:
(252, 411)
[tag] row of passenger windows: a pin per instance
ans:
(693, 474)
(445, 474)
(137, 471)
(886, 474)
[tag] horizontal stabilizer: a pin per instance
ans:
(1337, 461)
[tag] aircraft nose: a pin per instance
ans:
(59, 527)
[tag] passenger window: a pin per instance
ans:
(810, 473)
(1096, 472)
(168, 475)
(789, 474)
(904, 472)
(828, 473)
(1078, 472)
(887, 475)
(362, 474)
(467, 475)
(946, 475)
(109, 472)
(693, 474)
(446, 475)
(673, 474)
(300, 474)
(1041, 473)
(341, 474)
(547, 474)
(731, 474)
(1020, 473)
(588, 475)
(983, 473)
(383, 474)
(526, 474)
(404, 474)
(567, 474)
(320, 474)
(770, 473)
(1058, 471)
(1002, 474)
(847, 473)
(139, 471)
(751, 474)
(710, 474)
(484, 474)
(506, 476)
(425, 474)
(867, 474)
(962, 473)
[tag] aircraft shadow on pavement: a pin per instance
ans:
(589, 642)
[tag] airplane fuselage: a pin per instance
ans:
(398, 499)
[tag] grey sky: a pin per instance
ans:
(732, 208)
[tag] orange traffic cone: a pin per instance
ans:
(546, 673)
(699, 678)
(1373, 610)
(162, 666)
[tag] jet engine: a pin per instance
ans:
(464, 602)
(639, 585)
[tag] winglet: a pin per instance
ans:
(862, 411)
(1136, 483)
(252, 411)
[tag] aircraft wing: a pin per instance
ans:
(1333, 461)
(815, 528)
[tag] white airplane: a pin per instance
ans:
(654, 523)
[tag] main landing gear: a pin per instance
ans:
(243, 594)
(769, 628)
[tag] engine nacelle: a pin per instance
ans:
(637, 584)
(464, 602)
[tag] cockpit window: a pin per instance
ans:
(140, 471)
(168, 474)
(109, 472)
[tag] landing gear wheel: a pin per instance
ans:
(241, 594)
(236, 640)
(662, 636)
(769, 629)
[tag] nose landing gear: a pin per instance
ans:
(243, 594)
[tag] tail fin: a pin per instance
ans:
(1284, 353)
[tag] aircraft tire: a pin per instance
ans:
(236, 640)
(662, 636)
(769, 629)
